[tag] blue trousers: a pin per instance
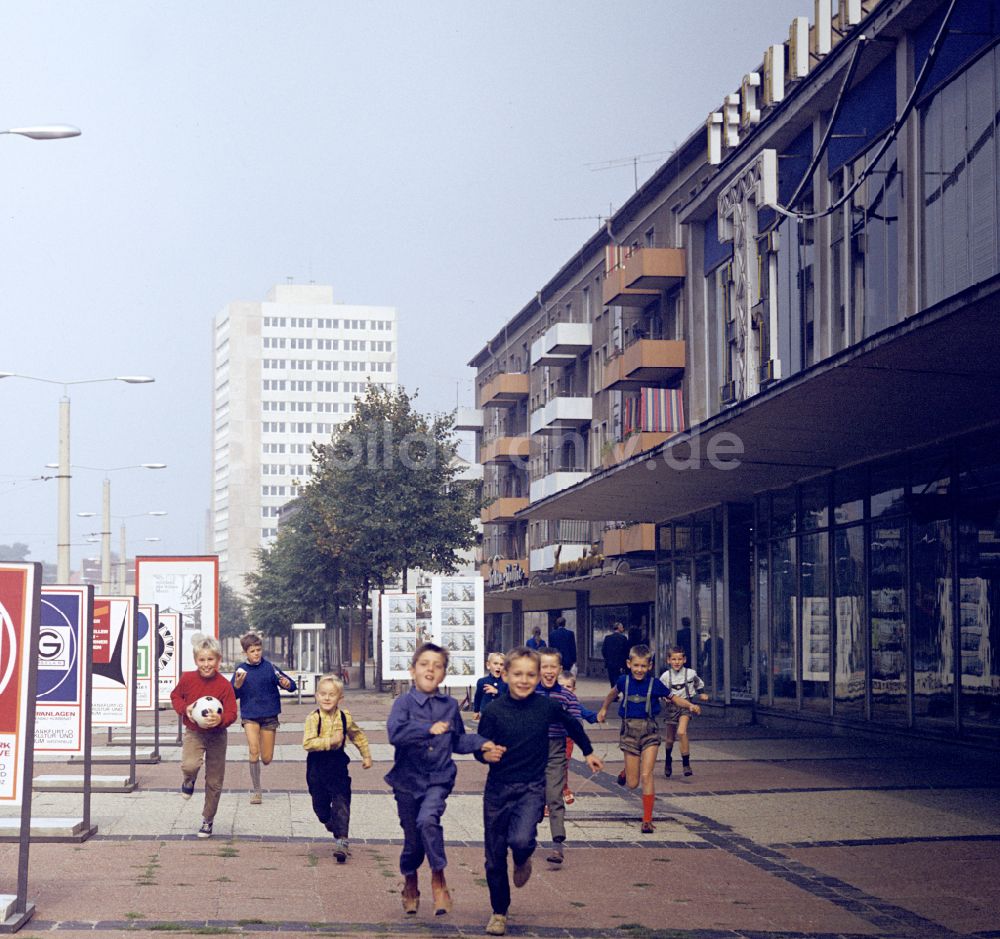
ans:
(511, 813)
(423, 836)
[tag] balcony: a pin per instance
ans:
(615, 293)
(544, 558)
(505, 450)
(622, 450)
(561, 343)
(502, 510)
(646, 361)
(555, 482)
(540, 357)
(561, 413)
(654, 268)
(503, 390)
(468, 419)
(632, 540)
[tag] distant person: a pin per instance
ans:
(636, 636)
(204, 743)
(684, 636)
(324, 736)
(256, 684)
(490, 686)
(564, 642)
(614, 650)
(536, 642)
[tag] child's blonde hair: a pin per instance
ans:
(202, 642)
(333, 680)
(495, 655)
(567, 678)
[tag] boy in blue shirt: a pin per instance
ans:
(426, 728)
(490, 685)
(255, 684)
(640, 736)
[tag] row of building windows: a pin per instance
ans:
(307, 365)
(302, 427)
(309, 322)
(284, 384)
(349, 345)
(278, 469)
(274, 490)
(329, 407)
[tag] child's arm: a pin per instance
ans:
(360, 740)
(478, 699)
(699, 687)
(609, 698)
(574, 729)
(311, 737)
(178, 698)
(401, 727)
(285, 681)
(588, 715)
(462, 742)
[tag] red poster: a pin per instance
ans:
(13, 594)
(102, 633)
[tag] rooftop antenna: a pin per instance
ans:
(635, 160)
(600, 219)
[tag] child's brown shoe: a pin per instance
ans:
(522, 873)
(442, 896)
(648, 828)
(411, 895)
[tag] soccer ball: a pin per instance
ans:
(203, 707)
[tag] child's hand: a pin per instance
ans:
(212, 720)
(283, 681)
(595, 762)
(703, 696)
(475, 716)
(493, 751)
(695, 709)
(440, 727)
(490, 689)
(602, 715)
(366, 762)
(239, 678)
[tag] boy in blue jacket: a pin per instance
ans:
(256, 684)
(490, 686)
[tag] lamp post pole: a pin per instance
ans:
(106, 537)
(62, 509)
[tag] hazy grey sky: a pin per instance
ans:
(414, 154)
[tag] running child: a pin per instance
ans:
(256, 684)
(490, 685)
(425, 727)
(640, 737)
(567, 681)
(684, 683)
(514, 795)
(204, 744)
(325, 737)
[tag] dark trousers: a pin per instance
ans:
(511, 813)
(423, 836)
(614, 671)
(330, 787)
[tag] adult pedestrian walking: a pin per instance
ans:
(564, 642)
(614, 650)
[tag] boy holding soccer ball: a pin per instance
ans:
(205, 735)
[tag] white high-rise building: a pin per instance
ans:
(286, 373)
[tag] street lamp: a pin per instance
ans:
(45, 131)
(106, 516)
(63, 475)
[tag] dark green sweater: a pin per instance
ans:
(522, 726)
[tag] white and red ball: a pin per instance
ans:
(203, 708)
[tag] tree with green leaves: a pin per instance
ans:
(387, 490)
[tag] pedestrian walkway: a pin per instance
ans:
(775, 835)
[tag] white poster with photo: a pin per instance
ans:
(400, 634)
(111, 657)
(457, 625)
(185, 585)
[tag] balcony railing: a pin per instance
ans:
(621, 450)
(505, 450)
(503, 390)
(645, 362)
(502, 510)
(560, 413)
(631, 540)
(653, 268)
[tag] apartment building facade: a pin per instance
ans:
(286, 372)
(816, 453)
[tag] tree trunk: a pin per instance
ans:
(363, 646)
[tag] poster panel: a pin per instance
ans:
(185, 585)
(20, 603)
(145, 625)
(168, 630)
(61, 697)
(111, 655)
(457, 618)
(400, 635)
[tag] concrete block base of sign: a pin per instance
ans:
(9, 920)
(144, 755)
(72, 782)
(47, 829)
(167, 739)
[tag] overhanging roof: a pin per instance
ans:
(934, 376)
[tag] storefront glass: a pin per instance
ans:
(784, 604)
(850, 682)
(815, 621)
(889, 672)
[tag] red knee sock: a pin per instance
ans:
(647, 807)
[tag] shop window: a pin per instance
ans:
(815, 636)
(784, 604)
(850, 681)
(889, 632)
(816, 503)
(849, 489)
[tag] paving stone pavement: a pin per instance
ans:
(777, 834)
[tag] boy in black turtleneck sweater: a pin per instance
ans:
(514, 796)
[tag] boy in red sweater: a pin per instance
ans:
(204, 744)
